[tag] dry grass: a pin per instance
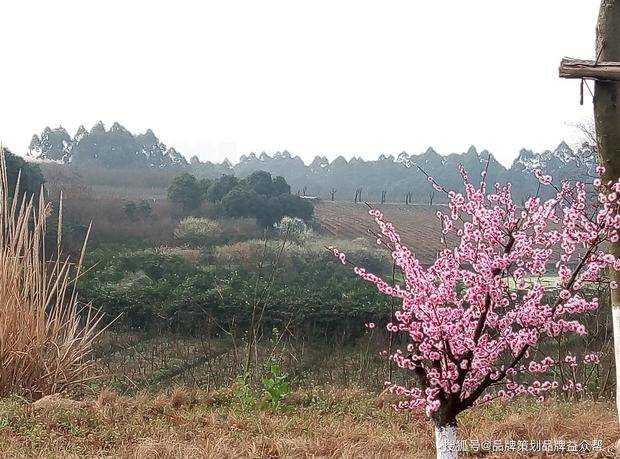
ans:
(44, 337)
(128, 183)
(319, 423)
(110, 223)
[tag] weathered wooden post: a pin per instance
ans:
(605, 71)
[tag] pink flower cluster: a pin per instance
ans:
(472, 317)
(591, 359)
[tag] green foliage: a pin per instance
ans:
(221, 187)
(258, 196)
(265, 198)
(30, 176)
(311, 295)
(186, 192)
(280, 186)
(275, 385)
(261, 183)
(204, 184)
(242, 390)
(240, 202)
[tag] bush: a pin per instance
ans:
(293, 228)
(199, 231)
(244, 253)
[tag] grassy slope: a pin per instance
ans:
(319, 423)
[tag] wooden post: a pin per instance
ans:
(578, 68)
(607, 120)
(605, 70)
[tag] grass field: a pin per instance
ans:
(318, 423)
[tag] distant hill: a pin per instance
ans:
(397, 176)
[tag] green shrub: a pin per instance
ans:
(199, 231)
(311, 294)
(275, 385)
(294, 229)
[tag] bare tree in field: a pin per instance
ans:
(408, 197)
(605, 71)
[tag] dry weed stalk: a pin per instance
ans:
(46, 335)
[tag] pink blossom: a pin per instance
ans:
(591, 359)
(468, 329)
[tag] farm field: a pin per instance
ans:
(417, 225)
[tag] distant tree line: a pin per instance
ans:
(259, 195)
(387, 179)
(113, 148)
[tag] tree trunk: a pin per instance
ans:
(445, 431)
(446, 442)
(607, 118)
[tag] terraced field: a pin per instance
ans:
(417, 224)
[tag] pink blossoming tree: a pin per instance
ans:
(475, 319)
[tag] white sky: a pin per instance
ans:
(328, 77)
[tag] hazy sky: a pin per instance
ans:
(223, 78)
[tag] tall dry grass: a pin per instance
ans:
(45, 334)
